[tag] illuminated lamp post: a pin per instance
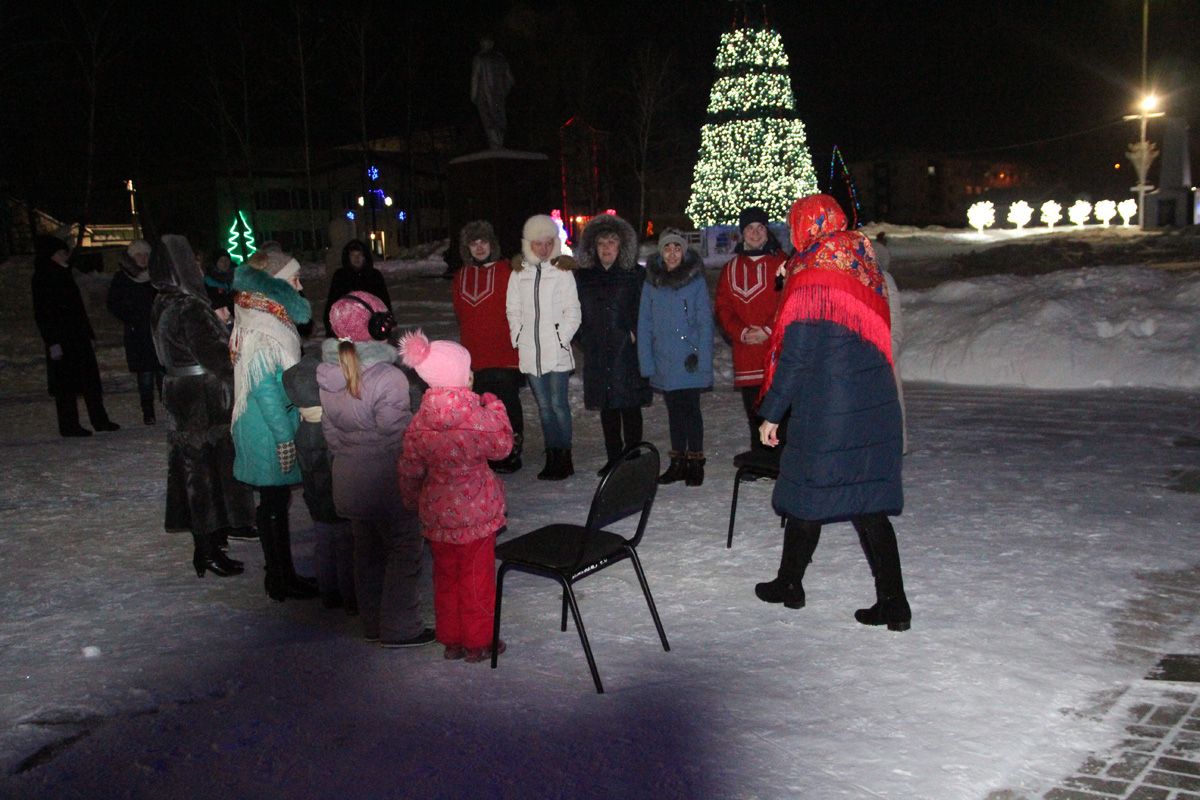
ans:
(1142, 153)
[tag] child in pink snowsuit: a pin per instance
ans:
(444, 475)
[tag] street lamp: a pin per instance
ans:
(1142, 153)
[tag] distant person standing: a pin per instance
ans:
(357, 274)
(610, 282)
(130, 299)
(675, 349)
(480, 295)
(62, 320)
(748, 293)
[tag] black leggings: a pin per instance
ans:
(684, 420)
(613, 421)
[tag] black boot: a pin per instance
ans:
(677, 471)
(206, 557)
(879, 544)
(800, 540)
(566, 466)
(549, 471)
(273, 582)
(694, 475)
(295, 586)
(512, 462)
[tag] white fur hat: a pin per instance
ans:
(539, 227)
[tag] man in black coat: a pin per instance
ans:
(62, 320)
(357, 274)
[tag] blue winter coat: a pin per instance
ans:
(843, 451)
(675, 320)
(269, 418)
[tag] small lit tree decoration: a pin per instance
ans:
(1079, 212)
(1019, 214)
(981, 215)
(753, 147)
(1051, 213)
(241, 239)
(1105, 210)
(1127, 208)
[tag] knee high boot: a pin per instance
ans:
(274, 581)
(294, 585)
(883, 555)
(800, 540)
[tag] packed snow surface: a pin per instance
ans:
(1037, 530)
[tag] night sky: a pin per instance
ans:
(958, 77)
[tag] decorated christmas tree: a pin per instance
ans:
(753, 149)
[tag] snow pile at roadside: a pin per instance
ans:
(1076, 329)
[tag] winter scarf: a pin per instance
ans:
(833, 277)
(264, 338)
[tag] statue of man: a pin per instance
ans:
(491, 80)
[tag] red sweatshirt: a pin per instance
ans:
(479, 298)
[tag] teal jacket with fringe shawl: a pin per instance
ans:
(263, 344)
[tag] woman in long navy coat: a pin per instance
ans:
(830, 364)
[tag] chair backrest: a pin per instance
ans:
(627, 489)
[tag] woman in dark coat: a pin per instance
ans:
(198, 394)
(130, 299)
(357, 274)
(830, 364)
(609, 282)
(62, 320)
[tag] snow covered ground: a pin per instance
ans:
(1038, 525)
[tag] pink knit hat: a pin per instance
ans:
(349, 317)
(439, 363)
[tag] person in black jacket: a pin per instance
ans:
(356, 274)
(609, 282)
(130, 298)
(62, 320)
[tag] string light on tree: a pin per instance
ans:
(1020, 213)
(981, 215)
(753, 147)
(1051, 213)
(241, 239)
(1127, 208)
(1105, 210)
(1079, 212)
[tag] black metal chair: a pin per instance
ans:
(751, 465)
(569, 553)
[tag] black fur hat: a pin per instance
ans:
(477, 229)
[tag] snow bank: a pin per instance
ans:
(1076, 329)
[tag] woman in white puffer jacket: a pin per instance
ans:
(543, 315)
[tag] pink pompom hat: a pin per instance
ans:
(440, 363)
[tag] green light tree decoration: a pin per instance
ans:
(753, 148)
(241, 239)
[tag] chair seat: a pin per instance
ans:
(556, 548)
(762, 462)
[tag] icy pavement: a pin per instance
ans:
(1049, 544)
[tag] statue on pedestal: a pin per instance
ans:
(491, 81)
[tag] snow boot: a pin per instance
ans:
(207, 558)
(677, 471)
(883, 555)
(273, 581)
(566, 466)
(549, 471)
(800, 540)
(510, 463)
(694, 471)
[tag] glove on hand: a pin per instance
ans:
(286, 453)
(56, 352)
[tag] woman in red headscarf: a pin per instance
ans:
(830, 363)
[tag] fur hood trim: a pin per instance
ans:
(249, 279)
(478, 229)
(604, 225)
(565, 263)
(657, 274)
(369, 353)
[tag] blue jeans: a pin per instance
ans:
(550, 392)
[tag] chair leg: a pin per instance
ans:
(564, 610)
(737, 483)
(587, 647)
(637, 566)
(496, 620)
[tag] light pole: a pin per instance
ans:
(1142, 153)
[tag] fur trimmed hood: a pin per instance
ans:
(478, 229)
(604, 225)
(248, 279)
(657, 274)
